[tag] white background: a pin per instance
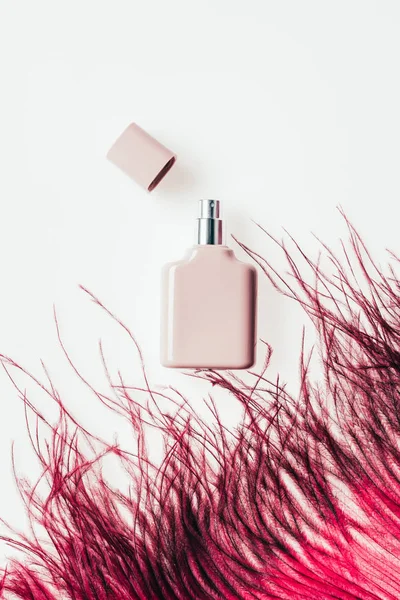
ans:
(282, 109)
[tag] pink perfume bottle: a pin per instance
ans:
(209, 303)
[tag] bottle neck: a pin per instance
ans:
(209, 224)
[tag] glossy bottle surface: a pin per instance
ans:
(209, 311)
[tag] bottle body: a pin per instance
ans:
(209, 310)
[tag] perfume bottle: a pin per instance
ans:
(209, 302)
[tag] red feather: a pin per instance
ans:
(300, 501)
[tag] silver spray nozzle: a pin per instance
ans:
(209, 224)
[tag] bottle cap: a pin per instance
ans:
(141, 157)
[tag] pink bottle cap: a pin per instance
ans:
(141, 157)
